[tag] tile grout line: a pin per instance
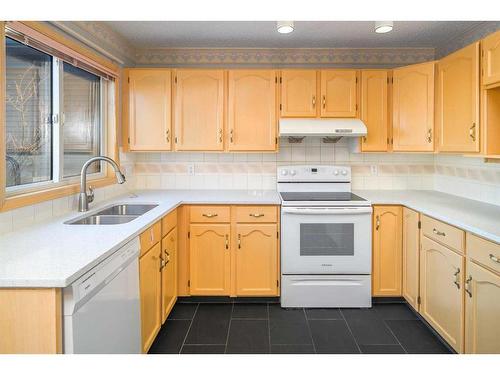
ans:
(189, 329)
(229, 328)
(393, 334)
(310, 332)
(350, 331)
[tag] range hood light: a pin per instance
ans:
(284, 27)
(382, 27)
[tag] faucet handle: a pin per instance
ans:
(90, 195)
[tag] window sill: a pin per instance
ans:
(34, 197)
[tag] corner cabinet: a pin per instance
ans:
(411, 250)
(339, 93)
(457, 101)
(491, 59)
(168, 273)
(252, 110)
(149, 109)
(413, 108)
(199, 110)
(299, 96)
(387, 250)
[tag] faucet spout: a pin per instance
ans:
(84, 199)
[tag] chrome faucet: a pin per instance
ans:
(84, 199)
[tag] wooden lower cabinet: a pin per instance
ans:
(210, 263)
(150, 288)
(482, 310)
(168, 273)
(441, 291)
(411, 250)
(387, 250)
(256, 260)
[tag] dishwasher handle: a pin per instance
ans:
(327, 211)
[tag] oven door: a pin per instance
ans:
(326, 240)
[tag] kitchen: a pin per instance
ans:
(250, 187)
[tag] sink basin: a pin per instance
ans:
(103, 220)
(127, 209)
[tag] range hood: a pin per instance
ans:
(332, 129)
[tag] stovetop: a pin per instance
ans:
(323, 196)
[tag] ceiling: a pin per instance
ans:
(307, 34)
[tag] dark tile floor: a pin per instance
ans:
(255, 328)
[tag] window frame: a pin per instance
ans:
(28, 194)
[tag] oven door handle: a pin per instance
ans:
(327, 211)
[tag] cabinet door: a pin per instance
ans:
(458, 101)
(149, 109)
(210, 259)
(169, 273)
(150, 285)
(482, 309)
(199, 110)
(374, 109)
(338, 93)
(252, 110)
(298, 93)
(387, 250)
(491, 59)
(411, 250)
(441, 281)
(256, 260)
(413, 108)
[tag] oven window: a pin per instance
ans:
(319, 239)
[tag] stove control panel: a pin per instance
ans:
(314, 173)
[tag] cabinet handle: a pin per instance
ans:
(457, 278)
(494, 258)
(377, 222)
(467, 286)
(472, 131)
(324, 101)
(256, 215)
(227, 241)
(209, 215)
(364, 139)
(314, 101)
(231, 135)
(168, 135)
(429, 136)
(168, 256)
(162, 263)
(239, 241)
(220, 135)
(436, 232)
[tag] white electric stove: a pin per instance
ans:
(325, 238)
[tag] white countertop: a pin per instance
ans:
(473, 216)
(54, 254)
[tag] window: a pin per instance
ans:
(54, 118)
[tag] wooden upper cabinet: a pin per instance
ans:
(299, 93)
(458, 101)
(252, 110)
(441, 291)
(482, 309)
(387, 250)
(411, 249)
(491, 59)
(339, 93)
(256, 260)
(199, 110)
(413, 107)
(374, 109)
(149, 109)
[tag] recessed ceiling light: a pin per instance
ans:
(382, 27)
(284, 27)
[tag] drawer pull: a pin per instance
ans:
(429, 136)
(227, 242)
(210, 215)
(472, 132)
(457, 278)
(239, 241)
(435, 231)
(467, 286)
(256, 215)
(494, 258)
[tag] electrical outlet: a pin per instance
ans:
(374, 170)
(190, 169)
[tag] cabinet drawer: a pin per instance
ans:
(169, 222)
(150, 237)
(443, 233)
(256, 214)
(210, 214)
(483, 251)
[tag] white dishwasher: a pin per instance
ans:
(102, 308)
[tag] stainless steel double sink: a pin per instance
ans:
(117, 214)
